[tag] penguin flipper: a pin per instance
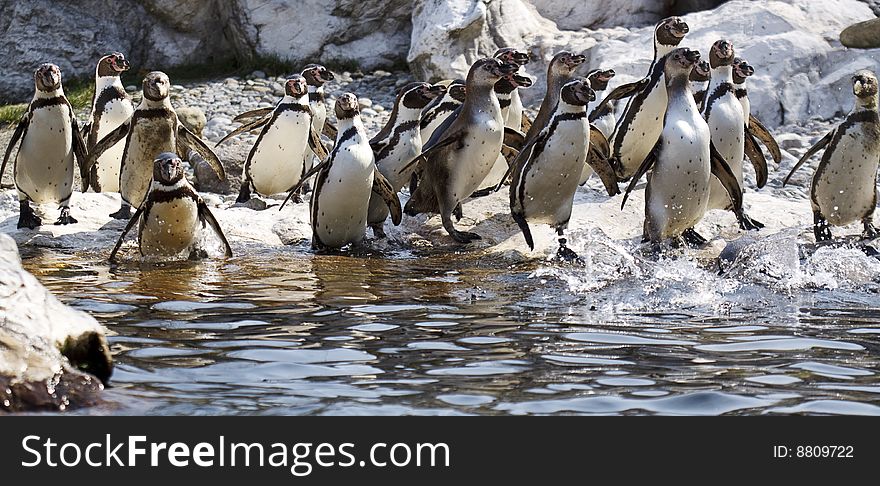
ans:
(524, 155)
(385, 190)
(759, 130)
(258, 113)
(437, 146)
(17, 135)
(524, 227)
(509, 154)
(514, 138)
(330, 130)
(809, 153)
(108, 141)
(189, 140)
(625, 91)
(700, 97)
(643, 169)
(754, 153)
(602, 167)
(440, 133)
(525, 124)
(317, 145)
(245, 128)
(131, 222)
(599, 141)
(206, 216)
(721, 169)
(79, 150)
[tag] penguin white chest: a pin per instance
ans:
(115, 113)
(844, 187)
(678, 187)
(551, 178)
(149, 138)
(408, 146)
(478, 153)
(274, 166)
(727, 126)
(169, 228)
(44, 164)
(643, 127)
(341, 197)
(514, 112)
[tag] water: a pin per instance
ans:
(289, 332)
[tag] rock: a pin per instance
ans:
(378, 108)
(258, 75)
(52, 357)
(369, 112)
(593, 14)
(365, 102)
(863, 35)
(788, 141)
(192, 118)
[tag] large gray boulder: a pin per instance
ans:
(52, 357)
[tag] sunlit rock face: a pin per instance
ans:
(52, 357)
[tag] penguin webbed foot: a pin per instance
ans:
(694, 239)
(567, 255)
(197, 254)
(482, 192)
(244, 194)
(27, 218)
(123, 213)
(870, 231)
(65, 217)
(378, 231)
(821, 228)
(457, 213)
(749, 224)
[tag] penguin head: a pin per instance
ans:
(296, 86)
(511, 82)
(511, 55)
(599, 78)
(418, 95)
(156, 86)
(564, 63)
(167, 169)
(47, 77)
(457, 90)
(741, 70)
(113, 64)
(317, 75)
(670, 31)
(578, 92)
(680, 62)
(702, 71)
(864, 84)
(488, 70)
(346, 106)
(721, 54)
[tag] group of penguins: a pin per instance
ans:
(686, 125)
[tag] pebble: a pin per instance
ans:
(258, 75)
(378, 108)
(369, 112)
(365, 102)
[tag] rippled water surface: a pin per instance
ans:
(294, 333)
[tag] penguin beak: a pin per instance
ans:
(692, 55)
(326, 75)
(519, 81)
(122, 65)
(591, 94)
(508, 68)
(575, 60)
(607, 75)
(680, 28)
(521, 58)
(436, 90)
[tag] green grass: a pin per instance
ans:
(78, 92)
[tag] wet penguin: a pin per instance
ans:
(153, 129)
(637, 129)
(844, 186)
(111, 107)
(545, 178)
(50, 141)
(683, 160)
(461, 152)
(723, 112)
(172, 215)
(344, 183)
(402, 144)
(755, 130)
(601, 116)
(273, 164)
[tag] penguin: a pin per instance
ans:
(684, 160)
(462, 151)
(636, 131)
(755, 130)
(559, 72)
(600, 116)
(843, 189)
(50, 141)
(401, 145)
(172, 215)
(545, 178)
(508, 95)
(344, 183)
(723, 112)
(273, 164)
(111, 107)
(700, 81)
(153, 129)
(438, 110)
